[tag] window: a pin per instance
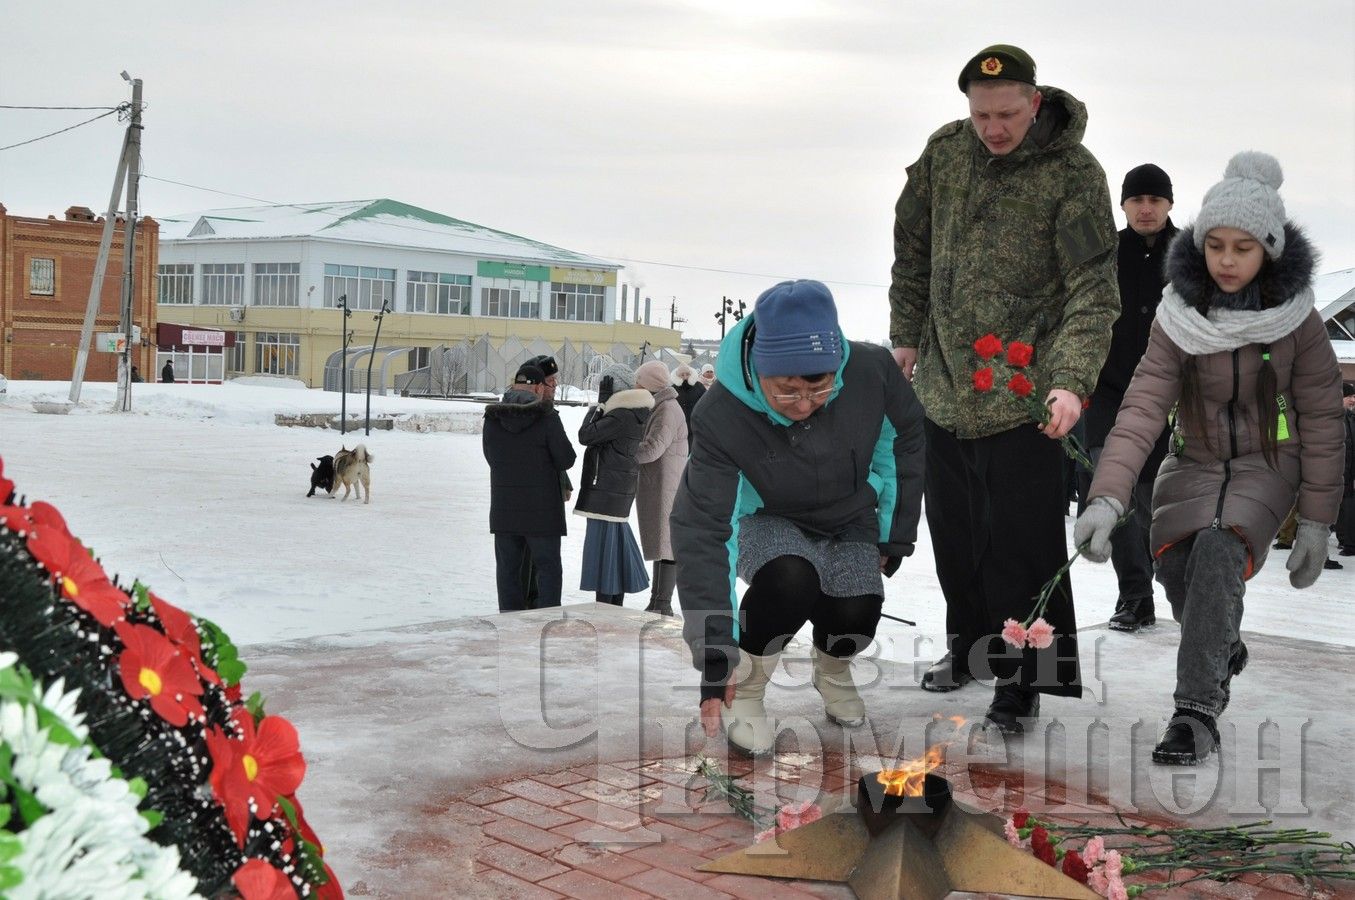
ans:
(174, 283)
(418, 358)
(277, 353)
(223, 284)
(42, 277)
(576, 302)
(510, 298)
(364, 286)
(235, 356)
(277, 284)
(438, 292)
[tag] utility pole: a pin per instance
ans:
(129, 248)
(385, 308)
(673, 317)
(100, 266)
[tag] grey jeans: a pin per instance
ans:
(1204, 580)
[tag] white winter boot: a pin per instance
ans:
(747, 727)
(833, 681)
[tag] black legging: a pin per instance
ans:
(784, 595)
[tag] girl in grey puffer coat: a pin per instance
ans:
(1241, 355)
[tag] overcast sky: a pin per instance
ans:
(766, 137)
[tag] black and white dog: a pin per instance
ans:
(322, 476)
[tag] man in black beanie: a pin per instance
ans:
(1146, 198)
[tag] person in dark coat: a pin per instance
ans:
(689, 390)
(167, 373)
(136, 376)
(1146, 198)
(613, 565)
(1345, 521)
(527, 449)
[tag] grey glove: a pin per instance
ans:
(1094, 527)
(1309, 554)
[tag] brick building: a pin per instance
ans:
(45, 270)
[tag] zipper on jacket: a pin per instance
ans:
(1232, 443)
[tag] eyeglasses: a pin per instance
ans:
(811, 396)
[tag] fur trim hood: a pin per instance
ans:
(519, 410)
(1289, 277)
(631, 398)
(684, 374)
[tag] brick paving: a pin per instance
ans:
(641, 829)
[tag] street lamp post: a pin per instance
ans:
(343, 365)
(385, 308)
(728, 310)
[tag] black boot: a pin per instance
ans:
(664, 580)
(1012, 703)
(1190, 737)
(1133, 614)
(613, 599)
(945, 675)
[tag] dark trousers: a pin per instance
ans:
(512, 554)
(995, 508)
(1130, 552)
(784, 595)
(1345, 523)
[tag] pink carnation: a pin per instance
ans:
(1013, 836)
(1114, 864)
(1117, 890)
(1096, 880)
(793, 815)
(1013, 633)
(1039, 635)
(765, 835)
(1095, 850)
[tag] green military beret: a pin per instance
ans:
(1000, 61)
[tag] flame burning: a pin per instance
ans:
(907, 779)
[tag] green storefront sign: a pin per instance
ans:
(512, 270)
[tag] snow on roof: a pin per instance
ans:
(1333, 292)
(381, 221)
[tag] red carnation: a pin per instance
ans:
(259, 767)
(1039, 837)
(6, 486)
(1075, 867)
(1020, 818)
(257, 880)
(983, 380)
(1046, 854)
(1020, 385)
(151, 667)
(1019, 354)
(988, 346)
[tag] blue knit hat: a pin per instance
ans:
(797, 332)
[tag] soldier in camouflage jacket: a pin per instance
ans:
(1004, 228)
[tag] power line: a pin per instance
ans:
(6, 106)
(647, 262)
(62, 131)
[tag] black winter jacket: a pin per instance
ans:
(687, 395)
(1141, 278)
(1350, 452)
(527, 450)
(611, 433)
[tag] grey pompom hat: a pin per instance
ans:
(623, 376)
(1248, 198)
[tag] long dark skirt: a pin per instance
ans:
(612, 561)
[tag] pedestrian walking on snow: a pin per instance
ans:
(662, 455)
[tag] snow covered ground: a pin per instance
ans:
(200, 495)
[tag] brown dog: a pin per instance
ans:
(351, 470)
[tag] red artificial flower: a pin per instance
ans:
(988, 346)
(180, 628)
(233, 693)
(1019, 354)
(983, 380)
(1020, 818)
(1074, 867)
(260, 767)
(80, 579)
(257, 880)
(1020, 385)
(152, 667)
(6, 486)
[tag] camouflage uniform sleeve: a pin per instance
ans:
(911, 273)
(1085, 244)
